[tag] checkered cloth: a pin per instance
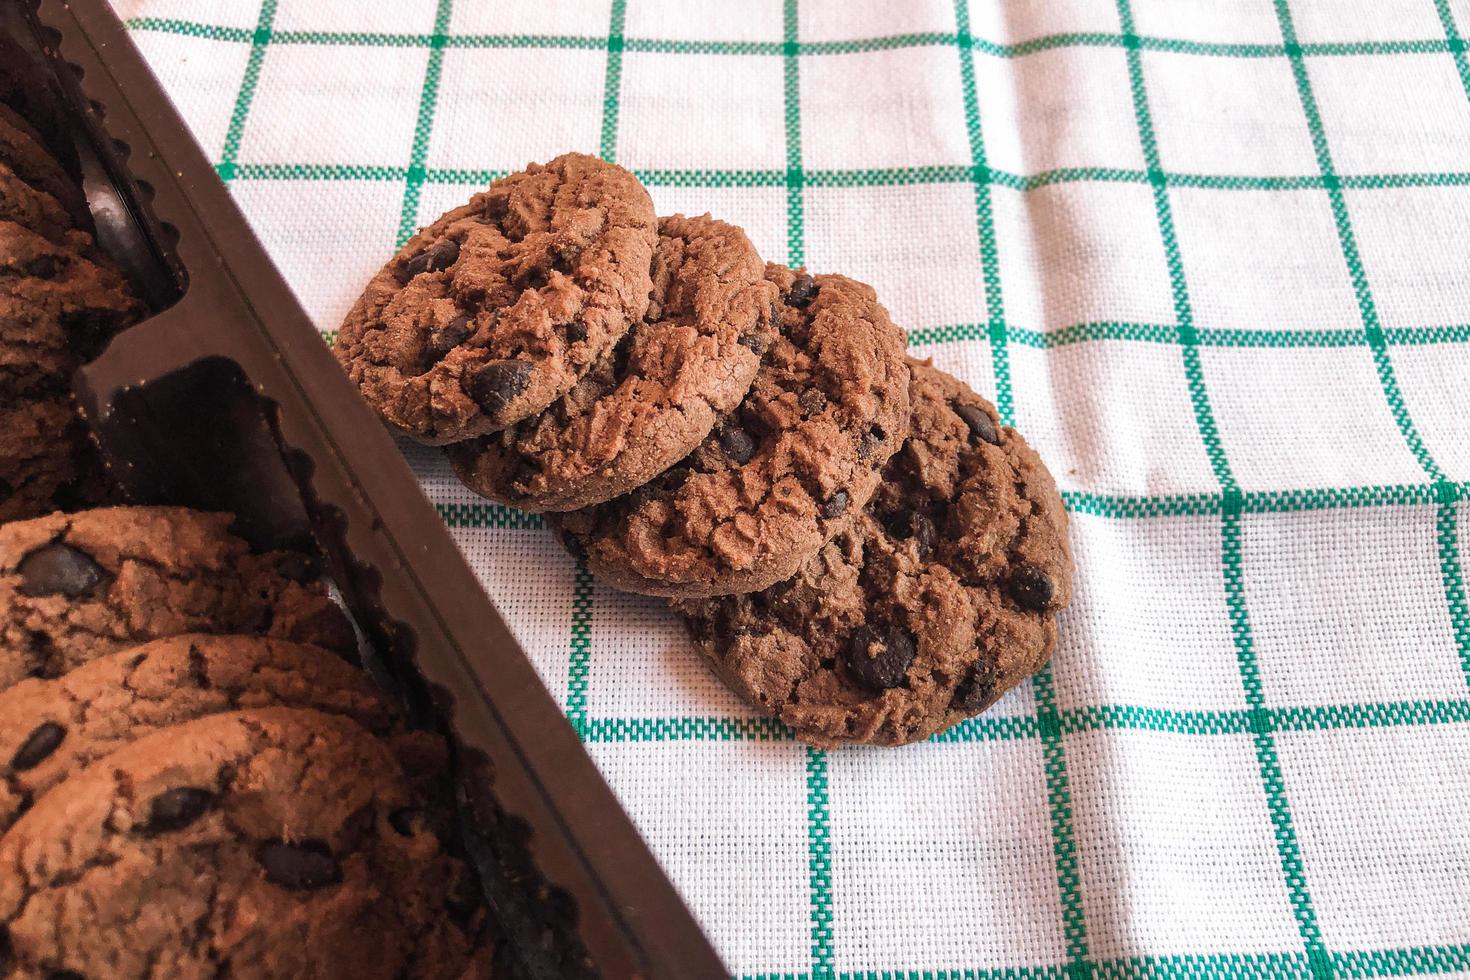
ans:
(1210, 256)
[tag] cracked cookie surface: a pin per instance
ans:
(938, 599)
(787, 470)
(32, 208)
(655, 396)
(75, 587)
(57, 307)
(23, 149)
(498, 308)
(257, 844)
(52, 727)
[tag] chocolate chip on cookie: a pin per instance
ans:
(501, 306)
(784, 473)
(651, 400)
(54, 727)
(77, 587)
(265, 841)
(936, 600)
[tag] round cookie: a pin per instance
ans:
(651, 400)
(256, 844)
(54, 302)
(46, 460)
(75, 587)
(941, 597)
(51, 728)
(497, 309)
(32, 208)
(783, 473)
(23, 150)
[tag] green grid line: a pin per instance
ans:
(612, 81)
(497, 516)
(1447, 532)
(1118, 507)
(187, 28)
(259, 39)
(372, 39)
(819, 862)
(1058, 794)
(985, 224)
(1063, 835)
(1038, 45)
(686, 730)
(1347, 239)
(1408, 961)
(1051, 722)
(413, 180)
(1455, 43)
(1230, 520)
(922, 175)
(1287, 846)
(580, 662)
(494, 41)
(795, 178)
(1183, 307)
(1163, 333)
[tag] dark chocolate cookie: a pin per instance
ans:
(650, 401)
(47, 461)
(941, 597)
(497, 309)
(52, 727)
(783, 473)
(75, 587)
(256, 844)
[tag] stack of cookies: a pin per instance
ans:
(859, 546)
(60, 299)
(196, 780)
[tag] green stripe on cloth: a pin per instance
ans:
(887, 42)
(1063, 834)
(1348, 240)
(795, 179)
(819, 862)
(413, 181)
(580, 662)
(1232, 505)
(259, 38)
(1451, 566)
(1455, 42)
(612, 82)
(1287, 845)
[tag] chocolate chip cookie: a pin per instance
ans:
(75, 587)
(938, 599)
(32, 208)
(47, 462)
(788, 469)
(50, 728)
(23, 150)
(655, 396)
(56, 306)
(256, 844)
(497, 309)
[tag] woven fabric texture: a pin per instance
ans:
(1212, 257)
